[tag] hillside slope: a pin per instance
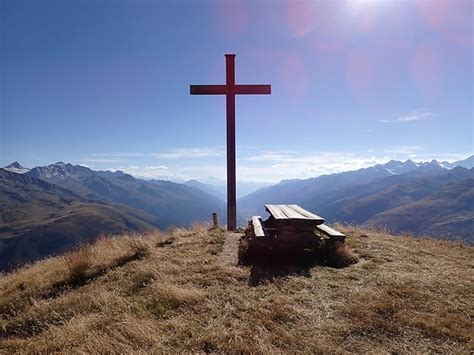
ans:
(176, 293)
(398, 191)
(38, 219)
(451, 208)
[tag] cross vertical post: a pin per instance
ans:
(230, 89)
(231, 175)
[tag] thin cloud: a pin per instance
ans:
(122, 155)
(98, 160)
(284, 157)
(191, 153)
(416, 115)
(300, 166)
(149, 172)
(404, 150)
(266, 165)
(177, 153)
(159, 167)
(270, 156)
(450, 157)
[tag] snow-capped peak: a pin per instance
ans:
(60, 170)
(16, 167)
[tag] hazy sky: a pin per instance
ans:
(106, 84)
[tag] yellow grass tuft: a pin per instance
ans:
(341, 255)
(79, 263)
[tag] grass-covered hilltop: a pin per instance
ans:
(182, 291)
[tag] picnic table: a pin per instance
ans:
(290, 229)
(292, 218)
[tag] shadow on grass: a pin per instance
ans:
(270, 263)
(261, 274)
(75, 282)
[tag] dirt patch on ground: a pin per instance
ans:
(231, 246)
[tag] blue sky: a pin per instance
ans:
(106, 84)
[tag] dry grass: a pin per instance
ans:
(172, 293)
(79, 263)
(341, 255)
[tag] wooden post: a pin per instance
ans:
(231, 179)
(215, 223)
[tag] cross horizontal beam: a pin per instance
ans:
(208, 89)
(237, 90)
(252, 89)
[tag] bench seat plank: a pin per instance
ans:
(330, 232)
(257, 226)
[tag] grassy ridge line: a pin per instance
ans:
(172, 292)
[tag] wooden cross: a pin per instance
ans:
(230, 89)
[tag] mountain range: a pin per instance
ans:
(49, 209)
(431, 198)
(170, 203)
(218, 186)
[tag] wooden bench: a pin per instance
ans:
(330, 232)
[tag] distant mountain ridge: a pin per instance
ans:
(50, 209)
(359, 196)
(171, 203)
(465, 163)
(220, 186)
(207, 188)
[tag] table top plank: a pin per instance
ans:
(292, 212)
(306, 213)
(275, 211)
